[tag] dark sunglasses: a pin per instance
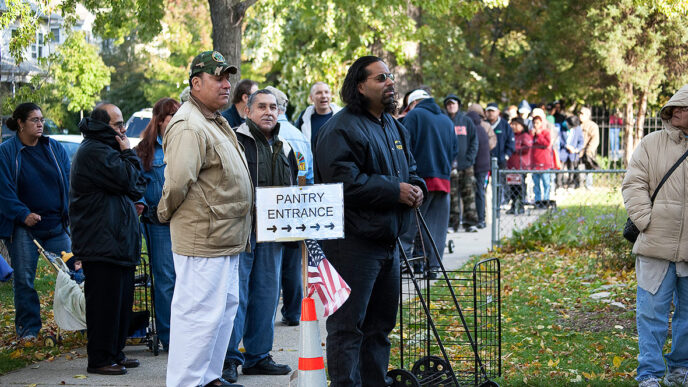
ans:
(382, 77)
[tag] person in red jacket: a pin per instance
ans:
(541, 159)
(520, 159)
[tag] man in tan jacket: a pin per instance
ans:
(207, 198)
(662, 246)
(591, 141)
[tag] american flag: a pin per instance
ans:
(324, 279)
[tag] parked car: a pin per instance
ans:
(70, 142)
(137, 123)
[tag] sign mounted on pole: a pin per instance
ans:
(300, 212)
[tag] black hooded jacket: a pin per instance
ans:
(104, 184)
(371, 158)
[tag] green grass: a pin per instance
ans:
(553, 332)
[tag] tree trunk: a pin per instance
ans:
(640, 122)
(227, 17)
(628, 124)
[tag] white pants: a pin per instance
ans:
(204, 304)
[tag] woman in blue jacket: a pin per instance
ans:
(34, 183)
(157, 234)
(570, 144)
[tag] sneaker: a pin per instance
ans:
(229, 371)
(266, 366)
(677, 377)
(650, 382)
(471, 229)
(481, 225)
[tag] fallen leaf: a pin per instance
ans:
(617, 361)
(80, 376)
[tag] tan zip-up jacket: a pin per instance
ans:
(208, 194)
(664, 225)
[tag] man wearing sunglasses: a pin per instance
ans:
(366, 149)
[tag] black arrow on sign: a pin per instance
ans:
(288, 228)
(330, 226)
(316, 227)
(302, 228)
(273, 228)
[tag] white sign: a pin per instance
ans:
(300, 212)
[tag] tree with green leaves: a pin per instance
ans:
(79, 73)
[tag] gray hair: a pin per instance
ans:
(252, 97)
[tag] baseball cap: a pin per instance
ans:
(417, 94)
(211, 62)
(492, 106)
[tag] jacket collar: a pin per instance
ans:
(244, 129)
(18, 145)
(207, 113)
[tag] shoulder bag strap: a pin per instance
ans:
(664, 179)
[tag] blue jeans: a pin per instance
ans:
(162, 266)
(358, 345)
(652, 319)
(24, 255)
(259, 279)
(480, 194)
(541, 185)
(292, 288)
(435, 211)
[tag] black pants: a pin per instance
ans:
(109, 292)
(357, 334)
(480, 195)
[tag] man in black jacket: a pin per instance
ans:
(271, 163)
(106, 180)
(463, 179)
(366, 149)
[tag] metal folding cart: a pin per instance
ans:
(450, 328)
(142, 328)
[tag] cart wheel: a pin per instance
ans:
(403, 378)
(429, 366)
(50, 341)
(489, 383)
(450, 246)
(156, 345)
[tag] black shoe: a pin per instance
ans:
(129, 363)
(266, 366)
(229, 371)
(290, 323)
(481, 225)
(431, 275)
(511, 211)
(471, 228)
(222, 382)
(417, 268)
(112, 369)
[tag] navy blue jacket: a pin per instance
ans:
(468, 141)
(105, 183)
(370, 157)
(12, 210)
(505, 142)
(232, 116)
(431, 140)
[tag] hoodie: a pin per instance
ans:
(432, 142)
(104, 184)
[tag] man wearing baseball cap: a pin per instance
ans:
(505, 136)
(207, 198)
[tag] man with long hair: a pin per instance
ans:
(366, 149)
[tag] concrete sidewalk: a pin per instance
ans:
(62, 371)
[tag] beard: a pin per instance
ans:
(390, 103)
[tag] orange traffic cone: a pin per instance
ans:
(311, 362)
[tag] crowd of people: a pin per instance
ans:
(189, 188)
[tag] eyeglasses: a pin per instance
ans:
(36, 120)
(382, 77)
(118, 125)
